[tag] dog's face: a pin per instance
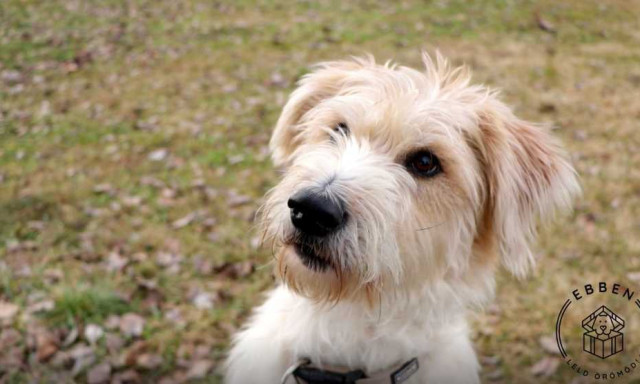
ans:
(395, 178)
(603, 324)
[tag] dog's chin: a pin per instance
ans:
(311, 276)
(310, 258)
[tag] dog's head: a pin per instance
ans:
(397, 178)
(603, 324)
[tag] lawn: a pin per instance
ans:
(133, 157)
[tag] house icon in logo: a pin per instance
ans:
(603, 337)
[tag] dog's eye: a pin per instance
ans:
(423, 163)
(341, 128)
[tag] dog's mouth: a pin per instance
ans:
(310, 258)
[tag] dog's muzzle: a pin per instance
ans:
(316, 214)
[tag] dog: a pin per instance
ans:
(402, 192)
(603, 326)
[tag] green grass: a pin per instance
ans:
(84, 305)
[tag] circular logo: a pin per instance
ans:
(591, 327)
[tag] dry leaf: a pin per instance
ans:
(545, 367)
(7, 312)
(544, 24)
(203, 300)
(548, 343)
(148, 361)
(199, 369)
(99, 374)
(158, 154)
(132, 325)
(46, 345)
(93, 333)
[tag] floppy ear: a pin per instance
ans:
(528, 177)
(325, 81)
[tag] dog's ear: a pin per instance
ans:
(324, 82)
(528, 178)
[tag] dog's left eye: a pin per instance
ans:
(341, 128)
(423, 163)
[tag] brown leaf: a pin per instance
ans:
(634, 276)
(544, 24)
(7, 312)
(135, 350)
(547, 366)
(236, 270)
(99, 374)
(126, 377)
(548, 343)
(115, 262)
(148, 361)
(46, 345)
(184, 221)
(132, 325)
(114, 343)
(199, 369)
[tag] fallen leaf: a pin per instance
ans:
(148, 361)
(544, 24)
(104, 188)
(548, 343)
(132, 325)
(135, 350)
(115, 262)
(634, 276)
(114, 343)
(71, 337)
(93, 333)
(46, 345)
(126, 377)
(112, 322)
(7, 312)
(41, 306)
(234, 199)
(199, 369)
(158, 154)
(99, 374)
(547, 366)
(184, 221)
(236, 270)
(203, 300)
(495, 375)
(490, 360)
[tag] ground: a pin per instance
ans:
(133, 156)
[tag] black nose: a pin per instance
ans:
(316, 214)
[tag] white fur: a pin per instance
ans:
(288, 327)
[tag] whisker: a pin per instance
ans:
(265, 265)
(429, 227)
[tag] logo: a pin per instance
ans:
(589, 331)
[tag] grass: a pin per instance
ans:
(90, 89)
(83, 305)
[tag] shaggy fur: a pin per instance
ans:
(416, 253)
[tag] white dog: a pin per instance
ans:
(402, 192)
